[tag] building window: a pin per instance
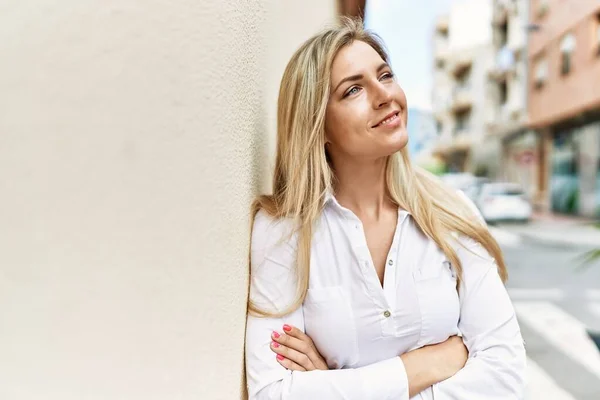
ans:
(462, 123)
(503, 92)
(504, 34)
(464, 77)
(567, 47)
(597, 41)
(541, 72)
(542, 8)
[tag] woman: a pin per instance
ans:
(369, 279)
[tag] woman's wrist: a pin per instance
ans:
(431, 364)
(422, 369)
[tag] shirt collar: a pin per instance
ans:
(332, 201)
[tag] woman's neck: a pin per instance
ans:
(361, 187)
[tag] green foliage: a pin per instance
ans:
(592, 255)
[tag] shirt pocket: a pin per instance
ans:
(329, 321)
(439, 305)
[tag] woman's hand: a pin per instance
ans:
(296, 351)
(431, 364)
(451, 355)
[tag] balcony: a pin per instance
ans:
(462, 138)
(500, 13)
(504, 66)
(510, 112)
(461, 63)
(491, 118)
(516, 37)
(442, 24)
(441, 51)
(462, 99)
(509, 117)
(439, 114)
(459, 142)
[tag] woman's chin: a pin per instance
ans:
(398, 141)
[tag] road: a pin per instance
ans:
(556, 302)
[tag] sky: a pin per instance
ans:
(406, 27)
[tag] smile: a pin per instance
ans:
(393, 120)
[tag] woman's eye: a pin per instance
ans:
(352, 90)
(387, 75)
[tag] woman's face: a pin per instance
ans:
(366, 113)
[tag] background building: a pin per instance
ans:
(463, 56)
(564, 104)
(422, 130)
(508, 95)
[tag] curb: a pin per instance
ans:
(560, 243)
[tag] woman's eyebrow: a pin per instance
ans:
(358, 76)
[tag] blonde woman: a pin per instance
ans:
(369, 279)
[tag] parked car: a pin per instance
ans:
(473, 190)
(503, 201)
(471, 185)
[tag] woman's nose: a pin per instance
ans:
(383, 96)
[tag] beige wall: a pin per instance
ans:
(132, 138)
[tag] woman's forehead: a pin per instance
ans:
(355, 58)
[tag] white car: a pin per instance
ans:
(503, 202)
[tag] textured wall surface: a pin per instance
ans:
(133, 136)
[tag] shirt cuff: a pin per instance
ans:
(385, 380)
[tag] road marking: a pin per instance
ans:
(540, 386)
(505, 238)
(594, 309)
(562, 330)
(536, 294)
(592, 294)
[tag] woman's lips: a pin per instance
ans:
(390, 122)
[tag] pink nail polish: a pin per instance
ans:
(275, 335)
(279, 357)
(275, 344)
(287, 328)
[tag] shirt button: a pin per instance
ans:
(387, 314)
(391, 262)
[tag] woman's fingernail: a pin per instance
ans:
(287, 328)
(279, 357)
(275, 335)
(275, 344)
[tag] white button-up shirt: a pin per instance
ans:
(361, 328)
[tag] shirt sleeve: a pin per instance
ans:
(495, 368)
(273, 287)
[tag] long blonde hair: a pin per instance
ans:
(303, 176)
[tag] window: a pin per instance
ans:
(541, 72)
(567, 47)
(463, 77)
(503, 92)
(504, 34)
(597, 41)
(542, 8)
(462, 122)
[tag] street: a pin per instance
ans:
(556, 301)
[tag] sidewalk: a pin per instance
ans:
(558, 230)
